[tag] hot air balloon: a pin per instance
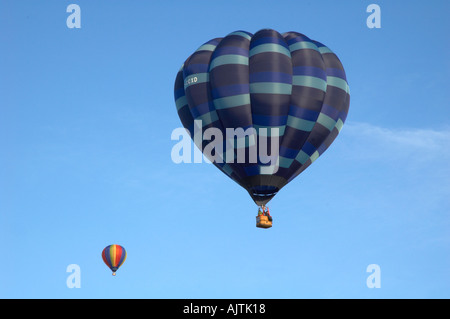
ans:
(285, 89)
(114, 256)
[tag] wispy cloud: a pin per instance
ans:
(375, 142)
(405, 170)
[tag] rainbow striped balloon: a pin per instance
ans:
(114, 256)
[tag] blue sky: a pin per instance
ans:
(85, 125)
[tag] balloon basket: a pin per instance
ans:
(263, 222)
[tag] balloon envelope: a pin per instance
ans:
(290, 89)
(114, 256)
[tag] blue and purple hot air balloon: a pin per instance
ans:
(267, 80)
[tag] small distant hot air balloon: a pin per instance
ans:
(114, 256)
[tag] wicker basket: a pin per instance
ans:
(263, 221)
